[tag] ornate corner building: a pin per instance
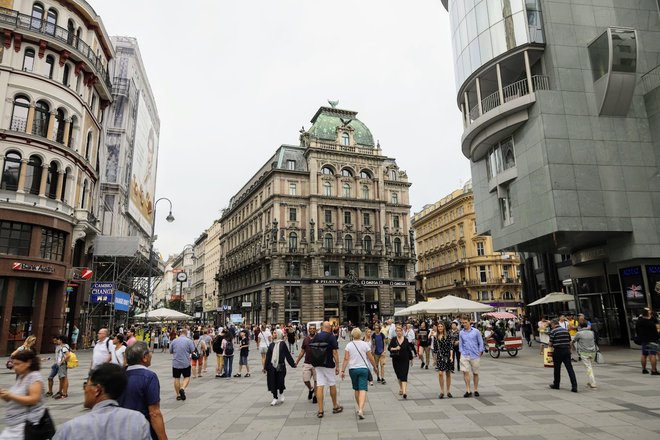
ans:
(452, 259)
(54, 87)
(321, 231)
(560, 122)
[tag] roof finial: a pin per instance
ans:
(332, 103)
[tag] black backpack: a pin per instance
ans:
(229, 348)
(195, 354)
(217, 345)
(318, 352)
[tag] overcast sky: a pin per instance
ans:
(233, 80)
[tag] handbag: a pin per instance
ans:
(43, 430)
(370, 377)
(10, 364)
(599, 357)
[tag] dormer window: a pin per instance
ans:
(392, 174)
(291, 165)
(345, 139)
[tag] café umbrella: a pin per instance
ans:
(164, 314)
(553, 297)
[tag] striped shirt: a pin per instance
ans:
(106, 421)
(559, 338)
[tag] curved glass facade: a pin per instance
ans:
(483, 29)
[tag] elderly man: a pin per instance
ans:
(143, 390)
(326, 375)
(103, 350)
(181, 348)
(106, 420)
(560, 341)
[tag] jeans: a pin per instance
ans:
(229, 361)
(563, 356)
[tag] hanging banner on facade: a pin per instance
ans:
(122, 301)
(101, 292)
(143, 169)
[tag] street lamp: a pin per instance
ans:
(152, 238)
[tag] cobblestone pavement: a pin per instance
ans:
(515, 403)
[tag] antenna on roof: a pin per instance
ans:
(332, 103)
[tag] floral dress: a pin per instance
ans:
(442, 349)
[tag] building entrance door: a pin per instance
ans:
(353, 313)
(601, 310)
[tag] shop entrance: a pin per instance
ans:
(601, 310)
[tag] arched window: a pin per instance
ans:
(345, 139)
(51, 183)
(59, 126)
(327, 242)
(393, 175)
(293, 242)
(10, 171)
(37, 15)
(71, 31)
(51, 21)
(83, 199)
(348, 243)
(365, 192)
(507, 296)
(327, 170)
(41, 116)
(65, 179)
(66, 75)
(33, 175)
(397, 247)
(345, 172)
(346, 190)
(19, 113)
(28, 60)
(88, 145)
(327, 189)
(69, 142)
(49, 66)
(365, 174)
(366, 244)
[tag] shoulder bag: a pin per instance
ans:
(599, 356)
(370, 377)
(43, 430)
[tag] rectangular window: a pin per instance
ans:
(331, 269)
(399, 295)
(366, 219)
(482, 274)
(328, 216)
(292, 189)
(398, 270)
(395, 198)
(395, 221)
(461, 232)
(290, 164)
(505, 209)
(331, 296)
(52, 244)
(351, 267)
(293, 215)
(347, 217)
(292, 269)
(15, 238)
(371, 270)
(480, 248)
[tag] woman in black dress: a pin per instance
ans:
(401, 353)
(443, 348)
(275, 367)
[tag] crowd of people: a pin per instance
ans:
(121, 386)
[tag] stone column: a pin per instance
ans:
(44, 180)
(60, 184)
(39, 313)
(499, 83)
(30, 119)
(528, 71)
(51, 126)
(21, 176)
(478, 83)
(67, 130)
(7, 307)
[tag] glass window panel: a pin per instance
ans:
(475, 58)
(471, 23)
(494, 11)
(624, 51)
(599, 55)
(481, 14)
(485, 49)
(463, 34)
(498, 39)
(520, 28)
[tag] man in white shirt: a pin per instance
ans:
(103, 350)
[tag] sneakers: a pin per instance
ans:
(553, 386)
(50, 393)
(57, 395)
(592, 385)
(182, 394)
(273, 402)
(467, 394)
(310, 394)
(237, 375)
(645, 371)
(281, 399)
(60, 396)
(423, 364)
(655, 373)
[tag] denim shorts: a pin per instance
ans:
(243, 360)
(650, 349)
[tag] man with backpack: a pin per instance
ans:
(308, 370)
(59, 369)
(217, 348)
(325, 359)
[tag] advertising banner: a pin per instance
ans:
(122, 301)
(143, 169)
(101, 292)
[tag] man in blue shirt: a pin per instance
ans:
(471, 346)
(182, 347)
(143, 389)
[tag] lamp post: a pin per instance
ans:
(152, 238)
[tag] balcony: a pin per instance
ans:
(26, 23)
(347, 148)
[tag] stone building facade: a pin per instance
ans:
(321, 231)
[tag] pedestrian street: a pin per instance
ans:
(515, 403)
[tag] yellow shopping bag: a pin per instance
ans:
(547, 357)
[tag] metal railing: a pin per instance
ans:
(28, 23)
(651, 79)
(346, 148)
(510, 92)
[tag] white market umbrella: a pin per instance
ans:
(164, 314)
(452, 304)
(411, 310)
(553, 297)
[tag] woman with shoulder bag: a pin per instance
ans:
(356, 354)
(275, 368)
(585, 345)
(401, 352)
(26, 418)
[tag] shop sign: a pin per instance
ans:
(101, 292)
(587, 255)
(371, 282)
(32, 267)
(246, 304)
(328, 281)
(402, 283)
(122, 301)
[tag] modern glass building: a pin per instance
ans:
(562, 127)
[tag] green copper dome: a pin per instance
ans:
(326, 120)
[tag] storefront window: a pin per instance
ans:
(331, 296)
(21, 314)
(15, 238)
